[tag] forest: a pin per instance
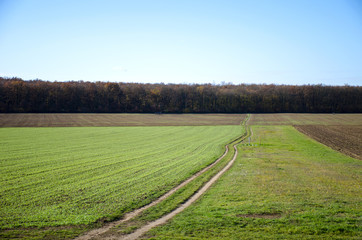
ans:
(37, 96)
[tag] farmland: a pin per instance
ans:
(52, 177)
(282, 186)
(346, 139)
(306, 119)
(114, 120)
(58, 182)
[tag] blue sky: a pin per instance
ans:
(181, 41)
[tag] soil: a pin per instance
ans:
(305, 119)
(113, 120)
(345, 139)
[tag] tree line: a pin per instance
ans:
(37, 96)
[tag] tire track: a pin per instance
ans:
(139, 232)
(94, 233)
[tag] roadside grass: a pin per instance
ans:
(282, 186)
(59, 182)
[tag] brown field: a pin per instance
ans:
(346, 139)
(341, 132)
(306, 119)
(109, 120)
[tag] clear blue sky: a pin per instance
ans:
(183, 41)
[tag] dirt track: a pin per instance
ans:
(345, 139)
(96, 233)
(139, 232)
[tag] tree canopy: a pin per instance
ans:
(37, 96)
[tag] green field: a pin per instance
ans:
(78, 176)
(282, 186)
(57, 183)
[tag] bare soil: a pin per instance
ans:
(345, 139)
(109, 120)
(306, 119)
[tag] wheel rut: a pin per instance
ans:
(94, 234)
(128, 216)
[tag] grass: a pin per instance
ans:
(60, 181)
(346, 139)
(172, 202)
(180, 196)
(282, 186)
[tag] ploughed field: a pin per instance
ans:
(306, 119)
(76, 176)
(346, 139)
(341, 132)
(96, 120)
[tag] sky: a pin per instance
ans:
(183, 41)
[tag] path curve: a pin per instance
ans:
(139, 232)
(96, 232)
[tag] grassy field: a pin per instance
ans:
(283, 186)
(306, 119)
(113, 120)
(59, 182)
(58, 179)
(180, 197)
